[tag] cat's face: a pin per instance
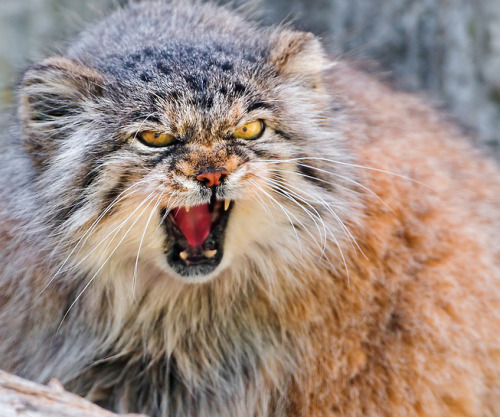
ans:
(191, 159)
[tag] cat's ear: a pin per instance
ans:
(299, 54)
(54, 97)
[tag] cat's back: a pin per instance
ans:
(427, 269)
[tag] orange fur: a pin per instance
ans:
(414, 330)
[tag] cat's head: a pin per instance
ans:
(192, 141)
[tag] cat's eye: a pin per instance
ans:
(156, 139)
(252, 130)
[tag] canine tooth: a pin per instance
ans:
(183, 255)
(210, 253)
(226, 204)
(187, 208)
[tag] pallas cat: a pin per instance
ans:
(201, 216)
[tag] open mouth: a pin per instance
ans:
(195, 241)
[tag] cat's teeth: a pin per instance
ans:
(187, 208)
(226, 204)
(210, 253)
(183, 255)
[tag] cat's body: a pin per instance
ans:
(382, 299)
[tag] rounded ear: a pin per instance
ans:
(299, 54)
(54, 96)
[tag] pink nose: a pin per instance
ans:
(212, 177)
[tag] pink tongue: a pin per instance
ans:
(195, 225)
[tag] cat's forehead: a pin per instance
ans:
(188, 87)
(198, 64)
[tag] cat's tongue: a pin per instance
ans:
(194, 224)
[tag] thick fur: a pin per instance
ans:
(361, 262)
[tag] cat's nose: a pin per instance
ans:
(212, 177)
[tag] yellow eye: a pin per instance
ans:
(156, 139)
(252, 130)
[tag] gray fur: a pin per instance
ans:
(159, 345)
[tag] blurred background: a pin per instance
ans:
(446, 50)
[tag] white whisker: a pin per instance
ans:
(336, 243)
(351, 165)
(290, 196)
(92, 227)
(321, 201)
(339, 176)
(153, 211)
(115, 230)
(285, 211)
(330, 232)
(105, 261)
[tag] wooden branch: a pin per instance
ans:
(22, 398)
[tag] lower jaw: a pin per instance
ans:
(196, 267)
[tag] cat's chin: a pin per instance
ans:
(195, 279)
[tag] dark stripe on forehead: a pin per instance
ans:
(258, 105)
(239, 89)
(145, 115)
